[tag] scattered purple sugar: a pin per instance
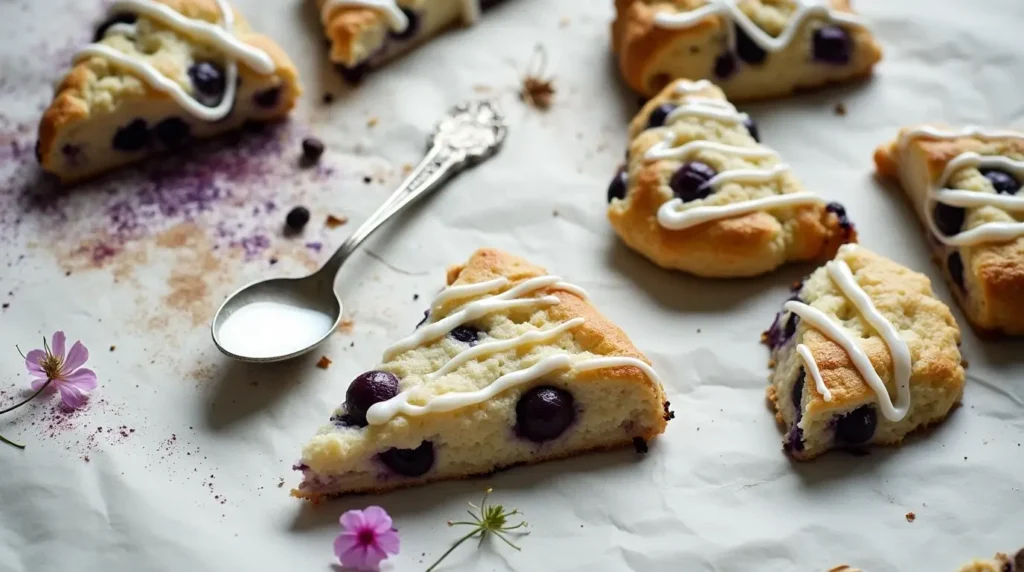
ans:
(315, 246)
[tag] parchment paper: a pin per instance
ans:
(182, 459)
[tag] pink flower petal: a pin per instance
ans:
(57, 344)
(71, 395)
(76, 357)
(84, 379)
(352, 520)
(344, 542)
(38, 382)
(363, 558)
(377, 519)
(32, 362)
(388, 541)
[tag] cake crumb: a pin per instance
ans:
(964, 364)
(554, 213)
(537, 89)
(840, 109)
(844, 568)
(113, 347)
(639, 445)
(911, 516)
(482, 88)
(407, 168)
(6, 305)
(324, 362)
(372, 122)
(345, 325)
(335, 221)
(280, 483)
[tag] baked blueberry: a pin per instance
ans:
(690, 182)
(752, 129)
(725, 65)
(123, 18)
(795, 439)
(1002, 181)
(353, 74)
(209, 81)
(857, 426)
(410, 462)
(312, 149)
(660, 114)
(132, 137)
(267, 98)
(297, 218)
(840, 212)
(948, 219)
(790, 328)
(747, 48)
(544, 413)
(411, 29)
(367, 389)
(465, 334)
(832, 44)
(617, 188)
(171, 132)
(798, 389)
(955, 265)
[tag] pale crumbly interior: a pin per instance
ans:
(918, 175)
(104, 97)
(610, 411)
(693, 55)
(654, 176)
(359, 34)
(903, 297)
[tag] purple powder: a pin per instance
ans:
(315, 246)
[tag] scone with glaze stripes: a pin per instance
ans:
(966, 186)
(863, 353)
(753, 49)
(699, 193)
(999, 563)
(159, 75)
(510, 366)
(364, 34)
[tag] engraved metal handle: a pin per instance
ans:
(469, 134)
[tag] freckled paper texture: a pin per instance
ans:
(183, 458)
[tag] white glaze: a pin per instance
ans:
(466, 291)
(840, 273)
(708, 108)
(220, 37)
(666, 150)
(729, 11)
(812, 367)
(684, 86)
(671, 217)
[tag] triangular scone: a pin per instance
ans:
(700, 194)
(754, 49)
(160, 74)
(863, 353)
(365, 34)
(511, 366)
(998, 563)
(966, 186)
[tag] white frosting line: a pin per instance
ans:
(730, 11)
(397, 19)
(689, 86)
(467, 291)
(670, 217)
(707, 108)
(812, 367)
(898, 349)
(930, 132)
(219, 37)
(666, 150)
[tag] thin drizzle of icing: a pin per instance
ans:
(221, 37)
(987, 232)
(840, 273)
(812, 367)
(729, 10)
(666, 150)
(384, 411)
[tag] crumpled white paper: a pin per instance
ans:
(187, 450)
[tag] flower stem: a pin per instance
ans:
(454, 546)
(40, 390)
(11, 443)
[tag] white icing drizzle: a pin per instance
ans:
(840, 273)
(220, 37)
(729, 10)
(666, 150)
(708, 108)
(671, 217)
(684, 86)
(812, 366)
(987, 232)
(384, 411)
(397, 20)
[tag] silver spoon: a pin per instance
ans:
(281, 318)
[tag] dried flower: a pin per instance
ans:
(537, 88)
(491, 519)
(367, 538)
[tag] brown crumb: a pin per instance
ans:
(345, 325)
(372, 122)
(844, 568)
(911, 516)
(324, 362)
(537, 89)
(554, 213)
(280, 483)
(335, 221)
(113, 347)
(406, 168)
(964, 363)
(563, 22)
(840, 109)
(482, 88)
(328, 97)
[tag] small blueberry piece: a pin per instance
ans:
(544, 413)
(132, 137)
(1002, 182)
(725, 65)
(857, 426)
(660, 114)
(831, 44)
(747, 48)
(617, 188)
(208, 79)
(948, 219)
(297, 218)
(410, 462)
(367, 389)
(171, 132)
(465, 334)
(798, 389)
(690, 182)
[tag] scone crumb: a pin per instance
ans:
(324, 362)
(669, 414)
(640, 445)
(911, 516)
(335, 221)
(406, 169)
(482, 88)
(372, 122)
(346, 325)
(113, 347)
(963, 363)
(844, 568)
(840, 109)
(280, 483)
(537, 88)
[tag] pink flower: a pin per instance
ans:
(366, 538)
(69, 377)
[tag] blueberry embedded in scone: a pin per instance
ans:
(510, 366)
(966, 187)
(160, 74)
(863, 353)
(364, 34)
(699, 192)
(753, 49)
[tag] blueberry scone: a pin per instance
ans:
(510, 366)
(753, 49)
(160, 74)
(999, 563)
(966, 186)
(700, 194)
(364, 34)
(856, 332)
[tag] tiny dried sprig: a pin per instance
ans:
(538, 89)
(487, 519)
